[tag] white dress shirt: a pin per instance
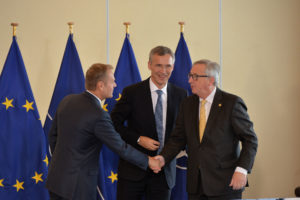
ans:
(164, 97)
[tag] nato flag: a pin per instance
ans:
(23, 157)
(179, 77)
(70, 80)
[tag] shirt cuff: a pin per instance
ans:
(138, 140)
(241, 170)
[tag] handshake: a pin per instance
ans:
(156, 163)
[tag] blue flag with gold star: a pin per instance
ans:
(126, 73)
(70, 80)
(23, 158)
(179, 77)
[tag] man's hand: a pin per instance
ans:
(238, 181)
(161, 161)
(148, 143)
(154, 164)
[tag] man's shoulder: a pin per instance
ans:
(71, 97)
(177, 89)
(137, 86)
(227, 95)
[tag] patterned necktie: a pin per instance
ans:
(159, 119)
(202, 121)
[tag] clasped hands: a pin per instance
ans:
(156, 163)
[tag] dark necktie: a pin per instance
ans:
(159, 120)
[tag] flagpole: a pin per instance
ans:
(14, 25)
(127, 24)
(71, 27)
(181, 26)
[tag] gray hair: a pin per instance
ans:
(161, 51)
(212, 69)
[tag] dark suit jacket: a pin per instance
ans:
(79, 129)
(136, 108)
(217, 156)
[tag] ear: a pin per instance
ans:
(100, 85)
(212, 80)
(149, 65)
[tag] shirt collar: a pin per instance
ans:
(94, 96)
(153, 87)
(210, 97)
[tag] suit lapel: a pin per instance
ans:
(147, 102)
(214, 112)
(170, 111)
(193, 112)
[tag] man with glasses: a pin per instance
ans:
(212, 123)
(150, 109)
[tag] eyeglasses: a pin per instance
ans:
(196, 76)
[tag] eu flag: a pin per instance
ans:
(23, 157)
(182, 66)
(179, 77)
(70, 80)
(126, 73)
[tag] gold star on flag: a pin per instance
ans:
(1, 182)
(113, 177)
(28, 106)
(105, 107)
(46, 160)
(37, 177)
(19, 185)
(8, 103)
(119, 97)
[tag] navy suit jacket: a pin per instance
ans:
(135, 107)
(79, 129)
(218, 154)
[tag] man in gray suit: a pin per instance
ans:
(211, 123)
(79, 129)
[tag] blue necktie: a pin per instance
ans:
(159, 120)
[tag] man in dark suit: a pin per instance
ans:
(79, 129)
(149, 109)
(211, 123)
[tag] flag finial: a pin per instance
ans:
(127, 24)
(71, 27)
(14, 25)
(181, 26)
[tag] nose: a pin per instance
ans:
(115, 84)
(190, 79)
(163, 69)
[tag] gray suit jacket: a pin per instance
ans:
(79, 129)
(136, 108)
(217, 156)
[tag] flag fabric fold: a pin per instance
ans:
(23, 157)
(182, 66)
(126, 73)
(179, 77)
(70, 80)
